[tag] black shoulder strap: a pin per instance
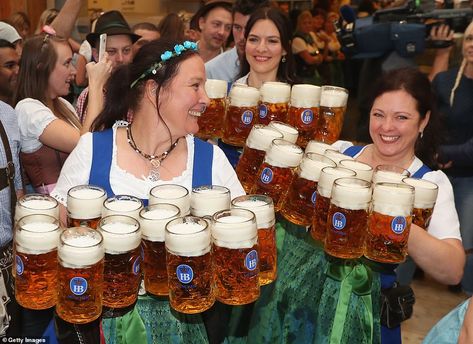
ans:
(10, 170)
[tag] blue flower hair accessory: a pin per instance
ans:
(167, 55)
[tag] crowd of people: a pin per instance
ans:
(126, 120)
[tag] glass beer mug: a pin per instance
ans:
(425, 196)
(347, 218)
(31, 204)
(235, 256)
(257, 143)
(84, 206)
(172, 194)
(333, 103)
(36, 240)
(263, 208)
(303, 113)
(389, 222)
(206, 200)
(80, 275)
(318, 147)
(122, 205)
(274, 102)
(241, 114)
(336, 156)
(363, 171)
(212, 120)
(298, 205)
(389, 174)
(189, 265)
(289, 132)
(153, 220)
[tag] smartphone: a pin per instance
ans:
(102, 45)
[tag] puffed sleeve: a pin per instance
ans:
(224, 174)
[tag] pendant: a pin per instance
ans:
(154, 172)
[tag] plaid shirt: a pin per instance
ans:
(9, 121)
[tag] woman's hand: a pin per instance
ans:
(99, 72)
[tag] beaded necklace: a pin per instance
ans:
(155, 160)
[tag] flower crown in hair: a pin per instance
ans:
(178, 49)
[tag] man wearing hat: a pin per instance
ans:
(215, 23)
(8, 33)
(9, 65)
(119, 47)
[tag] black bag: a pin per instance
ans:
(396, 305)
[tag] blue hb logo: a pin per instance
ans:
(398, 224)
(247, 117)
(184, 273)
(78, 285)
(314, 197)
(339, 221)
(251, 260)
(136, 266)
(307, 116)
(263, 111)
(19, 266)
(266, 175)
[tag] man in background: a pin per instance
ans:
(9, 65)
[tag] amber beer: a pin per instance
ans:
(172, 194)
(84, 206)
(274, 102)
(322, 201)
(425, 196)
(263, 208)
(206, 200)
(389, 222)
(212, 120)
(257, 143)
(122, 205)
(153, 221)
(80, 275)
(241, 114)
(347, 218)
(122, 273)
(36, 240)
(363, 171)
(298, 206)
(31, 204)
(277, 170)
(333, 102)
(303, 113)
(289, 132)
(389, 174)
(189, 265)
(235, 256)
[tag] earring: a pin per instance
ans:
(421, 134)
(283, 59)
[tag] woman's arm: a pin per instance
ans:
(66, 18)
(466, 331)
(60, 135)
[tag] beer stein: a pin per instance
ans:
(36, 204)
(36, 240)
(276, 172)
(333, 103)
(389, 222)
(122, 273)
(304, 111)
(153, 220)
(257, 143)
(347, 218)
(336, 156)
(84, 205)
(389, 174)
(241, 114)
(425, 195)
(274, 102)
(122, 205)
(208, 199)
(322, 200)
(263, 208)
(298, 206)
(80, 275)
(318, 147)
(289, 132)
(212, 120)
(363, 171)
(172, 194)
(235, 256)
(189, 265)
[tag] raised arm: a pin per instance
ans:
(66, 19)
(440, 64)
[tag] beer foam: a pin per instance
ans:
(393, 199)
(387, 177)
(206, 201)
(37, 237)
(83, 249)
(261, 136)
(311, 166)
(234, 231)
(363, 171)
(36, 206)
(172, 194)
(333, 96)
(328, 176)
(317, 147)
(336, 156)
(263, 210)
(305, 96)
(289, 132)
(187, 239)
(283, 153)
(120, 237)
(351, 193)
(216, 88)
(153, 222)
(425, 193)
(244, 96)
(275, 92)
(116, 206)
(84, 203)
